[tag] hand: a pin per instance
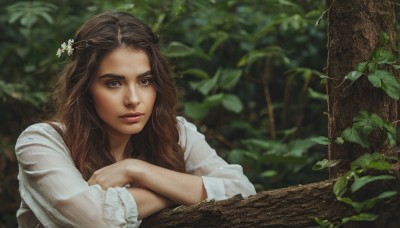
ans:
(116, 175)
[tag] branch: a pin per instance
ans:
(294, 206)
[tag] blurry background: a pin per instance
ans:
(250, 76)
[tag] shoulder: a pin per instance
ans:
(40, 128)
(39, 132)
(188, 133)
(184, 124)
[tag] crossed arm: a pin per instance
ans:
(156, 187)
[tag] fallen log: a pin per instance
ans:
(296, 206)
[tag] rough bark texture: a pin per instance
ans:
(296, 206)
(353, 32)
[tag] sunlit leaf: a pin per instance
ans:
(360, 217)
(340, 186)
(360, 182)
(232, 103)
(325, 163)
(353, 75)
(177, 49)
(321, 140)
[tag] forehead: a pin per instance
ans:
(124, 61)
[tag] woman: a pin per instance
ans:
(116, 152)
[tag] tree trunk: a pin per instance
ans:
(354, 27)
(296, 206)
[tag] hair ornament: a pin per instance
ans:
(66, 47)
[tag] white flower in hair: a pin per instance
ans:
(66, 47)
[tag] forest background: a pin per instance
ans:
(250, 76)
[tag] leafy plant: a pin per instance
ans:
(378, 77)
(356, 178)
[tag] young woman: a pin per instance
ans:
(116, 152)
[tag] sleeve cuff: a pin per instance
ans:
(131, 209)
(120, 208)
(214, 187)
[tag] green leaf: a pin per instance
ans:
(269, 173)
(260, 143)
(214, 100)
(177, 49)
(321, 140)
(220, 37)
(195, 110)
(238, 156)
(360, 217)
(206, 85)
(339, 140)
(316, 95)
(324, 223)
(230, 77)
(384, 38)
(325, 163)
(360, 182)
(387, 194)
(345, 200)
(353, 75)
(372, 66)
(355, 136)
(259, 54)
(382, 56)
(386, 81)
(197, 72)
(370, 161)
(232, 103)
(361, 67)
(340, 186)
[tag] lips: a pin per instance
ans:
(131, 117)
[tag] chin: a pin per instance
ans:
(132, 131)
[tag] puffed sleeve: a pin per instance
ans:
(54, 190)
(221, 180)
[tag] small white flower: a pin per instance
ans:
(66, 47)
(59, 53)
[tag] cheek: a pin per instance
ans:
(153, 97)
(102, 103)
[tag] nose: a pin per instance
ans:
(132, 97)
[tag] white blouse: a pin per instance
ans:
(54, 193)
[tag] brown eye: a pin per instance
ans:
(145, 81)
(113, 84)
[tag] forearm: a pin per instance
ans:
(148, 202)
(179, 187)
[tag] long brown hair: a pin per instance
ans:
(82, 129)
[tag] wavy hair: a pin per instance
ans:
(82, 129)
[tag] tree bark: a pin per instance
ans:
(296, 206)
(353, 30)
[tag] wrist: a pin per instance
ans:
(136, 170)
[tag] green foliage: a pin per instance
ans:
(325, 163)
(359, 176)
(379, 78)
(354, 180)
(360, 167)
(28, 13)
(364, 124)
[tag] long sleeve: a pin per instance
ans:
(221, 180)
(53, 189)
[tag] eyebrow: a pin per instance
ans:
(117, 76)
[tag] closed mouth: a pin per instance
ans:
(131, 115)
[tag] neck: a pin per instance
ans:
(118, 146)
